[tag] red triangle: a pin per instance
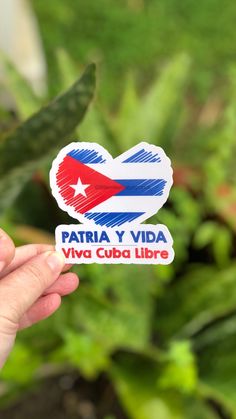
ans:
(101, 187)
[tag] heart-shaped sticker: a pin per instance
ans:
(93, 187)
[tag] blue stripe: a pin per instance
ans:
(143, 156)
(112, 219)
(86, 156)
(141, 187)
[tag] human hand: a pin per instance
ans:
(31, 286)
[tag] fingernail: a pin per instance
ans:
(56, 262)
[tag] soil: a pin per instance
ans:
(67, 396)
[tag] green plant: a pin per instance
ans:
(164, 335)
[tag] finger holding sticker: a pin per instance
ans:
(31, 287)
(111, 198)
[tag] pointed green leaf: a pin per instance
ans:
(23, 151)
(154, 111)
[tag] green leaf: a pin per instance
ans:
(205, 234)
(203, 295)
(45, 132)
(117, 311)
(180, 372)
(67, 68)
(154, 111)
(95, 128)
(82, 351)
(127, 111)
(222, 246)
(136, 386)
(220, 238)
(135, 380)
(217, 369)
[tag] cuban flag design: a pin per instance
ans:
(93, 187)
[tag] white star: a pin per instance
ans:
(79, 188)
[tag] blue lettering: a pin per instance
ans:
(161, 237)
(104, 237)
(65, 236)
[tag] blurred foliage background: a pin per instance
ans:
(139, 342)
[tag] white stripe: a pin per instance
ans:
(130, 204)
(134, 170)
